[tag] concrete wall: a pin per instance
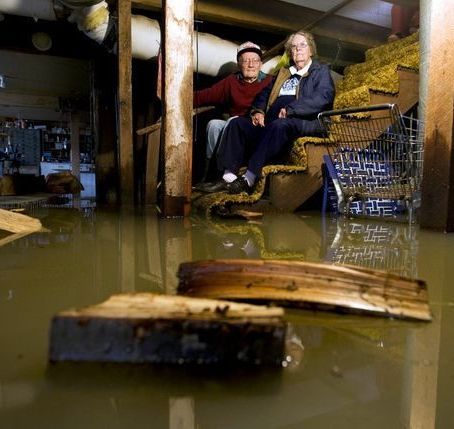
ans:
(34, 84)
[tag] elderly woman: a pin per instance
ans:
(284, 110)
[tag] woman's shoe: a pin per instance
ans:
(212, 187)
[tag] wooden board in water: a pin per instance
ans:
(303, 284)
(151, 328)
(18, 225)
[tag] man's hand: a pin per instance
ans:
(258, 119)
(282, 113)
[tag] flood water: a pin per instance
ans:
(347, 371)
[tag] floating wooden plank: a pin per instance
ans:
(151, 328)
(18, 224)
(303, 284)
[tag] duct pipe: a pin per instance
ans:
(37, 9)
(212, 55)
(93, 20)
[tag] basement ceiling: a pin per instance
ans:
(342, 35)
(375, 12)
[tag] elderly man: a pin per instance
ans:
(235, 93)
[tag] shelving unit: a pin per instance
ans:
(19, 150)
(56, 145)
(37, 148)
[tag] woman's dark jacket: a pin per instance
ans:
(314, 94)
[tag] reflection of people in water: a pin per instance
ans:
(239, 246)
(229, 242)
(294, 350)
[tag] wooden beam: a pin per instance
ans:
(75, 144)
(437, 75)
(105, 130)
(276, 50)
(28, 100)
(177, 115)
(408, 3)
(125, 139)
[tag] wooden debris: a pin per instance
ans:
(247, 214)
(154, 328)
(63, 182)
(303, 284)
(18, 224)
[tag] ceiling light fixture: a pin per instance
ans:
(41, 41)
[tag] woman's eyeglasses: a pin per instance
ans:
(301, 45)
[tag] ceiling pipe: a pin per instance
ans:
(213, 56)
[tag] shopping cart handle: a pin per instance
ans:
(350, 110)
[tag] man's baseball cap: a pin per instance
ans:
(248, 47)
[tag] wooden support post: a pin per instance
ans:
(105, 130)
(153, 252)
(127, 237)
(421, 380)
(422, 387)
(75, 144)
(181, 413)
(437, 96)
(176, 236)
(125, 141)
(177, 117)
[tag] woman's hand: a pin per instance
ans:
(282, 113)
(258, 119)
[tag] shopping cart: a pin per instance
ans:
(376, 154)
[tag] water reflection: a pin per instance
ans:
(345, 371)
(389, 246)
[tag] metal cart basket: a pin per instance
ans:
(377, 154)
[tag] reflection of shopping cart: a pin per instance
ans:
(376, 156)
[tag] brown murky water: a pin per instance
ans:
(347, 372)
